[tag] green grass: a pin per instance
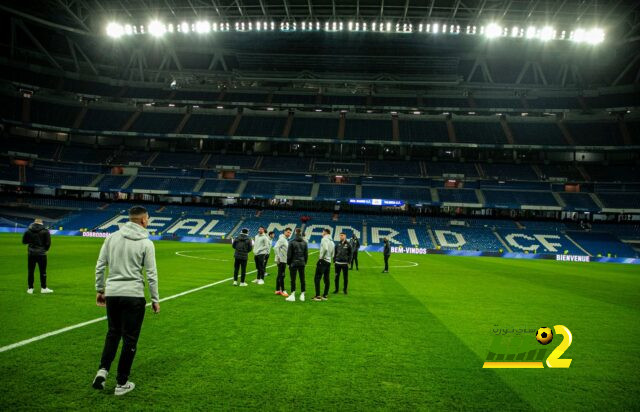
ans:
(414, 339)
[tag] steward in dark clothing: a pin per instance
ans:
(39, 240)
(386, 253)
(242, 245)
(355, 245)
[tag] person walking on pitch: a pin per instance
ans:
(39, 240)
(280, 250)
(386, 253)
(342, 259)
(261, 248)
(355, 246)
(323, 267)
(126, 253)
(242, 245)
(297, 256)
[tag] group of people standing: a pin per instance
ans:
(292, 251)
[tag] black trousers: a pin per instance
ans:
(242, 265)
(354, 259)
(386, 262)
(125, 316)
(261, 264)
(282, 268)
(322, 272)
(344, 269)
(41, 261)
(297, 271)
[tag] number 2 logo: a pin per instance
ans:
(554, 361)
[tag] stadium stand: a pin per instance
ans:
(336, 191)
(479, 132)
(313, 127)
(369, 129)
(515, 199)
(269, 126)
(422, 130)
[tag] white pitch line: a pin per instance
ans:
(89, 322)
(181, 253)
(367, 252)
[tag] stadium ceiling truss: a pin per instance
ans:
(37, 33)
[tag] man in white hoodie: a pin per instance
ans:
(126, 252)
(280, 249)
(323, 267)
(261, 248)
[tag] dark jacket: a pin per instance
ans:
(242, 244)
(38, 239)
(343, 252)
(355, 245)
(297, 253)
(387, 249)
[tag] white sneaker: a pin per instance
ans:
(122, 389)
(292, 297)
(235, 283)
(255, 281)
(100, 379)
(46, 290)
(30, 291)
(302, 297)
(260, 282)
(244, 284)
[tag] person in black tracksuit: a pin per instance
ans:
(342, 258)
(386, 253)
(242, 245)
(355, 246)
(297, 256)
(39, 240)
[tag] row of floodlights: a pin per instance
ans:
(158, 28)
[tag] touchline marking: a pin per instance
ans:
(96, 320)
(367, 252)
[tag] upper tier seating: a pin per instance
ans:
(369, 129)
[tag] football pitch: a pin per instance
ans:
(413, 339)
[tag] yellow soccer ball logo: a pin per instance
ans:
(544, 335)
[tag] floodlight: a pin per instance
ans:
(531, 32)
(184, 27)
(493, 30)
(115, 30)
(156, 28)
(547, 33)
(203, 26)
(128, 30)
(595, 36)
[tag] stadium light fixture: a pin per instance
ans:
(493, 30)
(203, 27)
(531, 32)
(547, 33)
(157, 28)
(595, 36)
(115, 30)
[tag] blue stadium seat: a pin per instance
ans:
(336, 192)
(458, 195)
(314, 127)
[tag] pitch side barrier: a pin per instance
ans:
(396, 250)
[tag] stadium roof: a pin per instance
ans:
(70, 35)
